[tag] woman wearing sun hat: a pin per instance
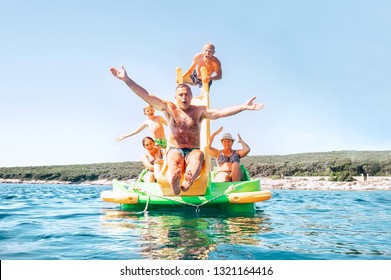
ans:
(227, 159)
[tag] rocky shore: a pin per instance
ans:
(322, 183)
(287, 183)
(54, 182)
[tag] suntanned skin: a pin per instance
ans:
(154, 123)
(184, 121)
(228, 171)
(207, 59)
(153, 153)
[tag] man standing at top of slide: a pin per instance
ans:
(211, 63)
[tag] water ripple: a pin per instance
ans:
(71, 222)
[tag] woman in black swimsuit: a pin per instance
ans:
(152, 160)
(227, 159)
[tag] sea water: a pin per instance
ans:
(45, 222)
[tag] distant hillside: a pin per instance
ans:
(74, 173)
(362, 156)
(341, 166)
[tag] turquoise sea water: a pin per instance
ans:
(47, 222)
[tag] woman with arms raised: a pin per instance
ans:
(227, 159)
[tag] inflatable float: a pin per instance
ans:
(231, 197)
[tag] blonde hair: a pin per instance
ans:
(146, 107)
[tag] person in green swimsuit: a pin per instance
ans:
(155, 125)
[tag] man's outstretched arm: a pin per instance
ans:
(213, 114)
(153, 100)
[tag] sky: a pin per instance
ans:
(321, 68)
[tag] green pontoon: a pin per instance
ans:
(231, 197)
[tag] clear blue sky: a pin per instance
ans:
(322, 69)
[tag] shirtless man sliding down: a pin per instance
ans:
(184, 119)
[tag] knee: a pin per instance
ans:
(235, 166)
(174, 158)
(149, 177)
(198, 154)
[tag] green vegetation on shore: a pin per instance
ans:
(74, 173)
(338, 166)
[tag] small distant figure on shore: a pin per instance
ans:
(155, 125)
(152, 160)
(227, 159)
(211, 63)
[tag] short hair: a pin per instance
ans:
(183, 86)
(211, 45)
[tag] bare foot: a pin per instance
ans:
(187, 182)
(175, 181)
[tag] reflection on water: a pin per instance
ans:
(71, 222)
(184, 235)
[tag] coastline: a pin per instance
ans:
(322, 183)
(287, 183)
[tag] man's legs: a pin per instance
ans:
(193, 168)
(175, 165)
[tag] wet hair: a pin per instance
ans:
(145, 140)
